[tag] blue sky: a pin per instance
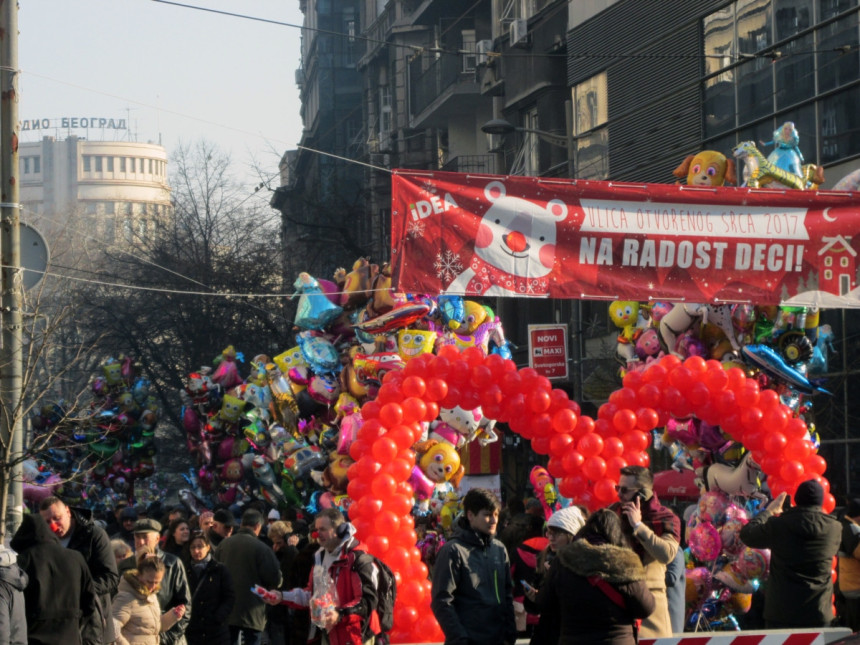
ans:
(178, 73)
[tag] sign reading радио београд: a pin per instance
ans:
(72, 122)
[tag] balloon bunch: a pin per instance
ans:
(722, 572)
(100, 453)
(283, 432)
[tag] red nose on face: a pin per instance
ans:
(516, 242)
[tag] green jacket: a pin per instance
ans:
(472, 591)
(802, 542)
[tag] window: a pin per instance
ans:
(470, 59)
(385, 115)
(719, 39)
(26, 161)
(836, 67)
(828, 261)
(122, 164)
(87, 163)
(843, 262)
(828, 274)
(839, 125)
(590, 109)
(98, 164)
(37, 165)
(149, 166)
(109, 161)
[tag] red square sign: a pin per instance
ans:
(548, 350)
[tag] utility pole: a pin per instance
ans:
(11, 286)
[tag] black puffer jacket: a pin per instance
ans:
(472, 591)
(802, 543)
(59, 596)
(92, 542)
(212, 598)
(572, 597)
(13, 616)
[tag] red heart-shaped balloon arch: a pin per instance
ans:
(586, 454)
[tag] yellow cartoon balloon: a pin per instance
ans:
(414, 342)
(231, 408)
(290, 358)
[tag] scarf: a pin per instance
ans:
(200, 565)
(487, 275)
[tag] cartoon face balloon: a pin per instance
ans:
(441, 462)
(113, 373)
(231, 408)
(414, 342)
(290, 358)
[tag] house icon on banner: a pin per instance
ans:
(836, 262)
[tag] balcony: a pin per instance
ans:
(475, 164)
(441, 91)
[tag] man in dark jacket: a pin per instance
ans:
(802, 542)
(76, 530)
(59, 595)
(127, 519)
(250, 563)
(849, 565)
(472, 588)
(13, 616)
(174, 589)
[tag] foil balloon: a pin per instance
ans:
(414, 342)
(318, 352)
(315, 310)
(705, 542)
(291, 358)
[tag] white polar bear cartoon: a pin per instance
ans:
(514, 247)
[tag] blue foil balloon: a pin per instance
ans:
(315, 310)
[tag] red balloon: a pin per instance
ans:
(391, 415)
(539, 401)
(368, 467)
(771, 463)
(371, 430)
(405, 616)
(413, 385)
(573, 486)
(768, 399)
(432, 411)
(414, 409)
(695, 364)
(481, 376)
(370, 410)
(564, 421)
(397, 557)
(572, 461)
(367, 506)
(698, 394)
(726, 402)
(624, 398)
(384, 449)
(559, 444)
(357, 449)
(496, 364)
(774, 443)
(607, 411)
(829, 503)
(670, 397)
(470, 399)
(584, 425)
(648, 395)
(614, 466)
(635, 441)
(383, 485)
(795, 428)
(624, 420)
(604, 429)
(716, 380)
(357, 489)
(604, 491)
(400, 469)
(400, 504)
(386, 523)
(389, 393)
(751, 418)
(459, 373)
(452, 399)
(816, 464)
(474, 356)
(792, 471)
(655, 375)
(411, 592)
(737, 378)
(632, 380)
(798, 449)
(590, 445)
(748, 395)
(491, 395)
(541, 426)
(594, 468)
(402, 436)
(612, 447)
(541, 445)
(378, 545)
(647, 419)
(634, 458)
(754, 439)
(436, 389)
(511, 383)
(680, 378)
(555, 468)
(775, 418)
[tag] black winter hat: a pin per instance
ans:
(809, 493)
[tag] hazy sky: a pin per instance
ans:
(172, 72)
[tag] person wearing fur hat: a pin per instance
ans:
(596, 588)
(802, 540)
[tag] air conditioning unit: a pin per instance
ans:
(519, 32)
(483, 47)
(300, 77)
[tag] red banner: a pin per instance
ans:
(488, 235)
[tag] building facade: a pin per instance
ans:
(116, 187)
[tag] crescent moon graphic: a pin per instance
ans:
(824, 215)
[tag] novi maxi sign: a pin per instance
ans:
(485, 235)
(72, 122)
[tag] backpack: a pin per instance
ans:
(386, 593)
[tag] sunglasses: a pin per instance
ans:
(624, 490)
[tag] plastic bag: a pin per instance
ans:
(324, 599)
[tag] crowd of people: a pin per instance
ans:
(611, 576)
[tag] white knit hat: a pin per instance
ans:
(274, 514)
(568, 519)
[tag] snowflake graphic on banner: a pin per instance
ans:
(415, 229)
(448, 265)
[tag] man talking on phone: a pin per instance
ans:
(654, 533)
